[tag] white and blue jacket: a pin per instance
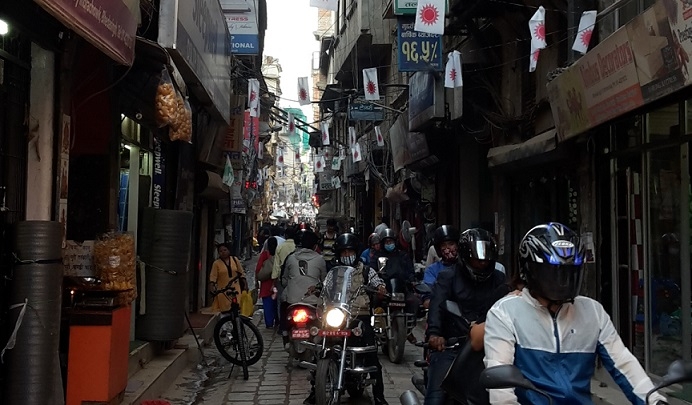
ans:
(558, 354)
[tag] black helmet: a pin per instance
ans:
(306, 238)
(445, 233)
(347, 241)
(551, 259)
(373, 239)
(387, 234)
(479, 244)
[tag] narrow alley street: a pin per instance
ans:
(271, 382)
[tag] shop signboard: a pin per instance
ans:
(233, 140)
(111, 26)
(417, 51)
(405, 7)
(362, 110)
(195, 34)
(159, 176)
(425, 100)
(241, 19)
(237, 202)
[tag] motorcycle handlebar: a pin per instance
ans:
(451, 343)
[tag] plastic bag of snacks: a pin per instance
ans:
(181, 128)
(166, 101)
(115, 263)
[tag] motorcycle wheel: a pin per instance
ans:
(395, 348)
(326, 380)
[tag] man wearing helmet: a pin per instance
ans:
(446, 245)
(373, 247)
(473, 283)
(394, 263)
(552, 333)
(346, 247)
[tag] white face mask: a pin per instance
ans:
(348, 260)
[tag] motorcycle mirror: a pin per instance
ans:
(679, 371)
(453, 308)
(507, 376)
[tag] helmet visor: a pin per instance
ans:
(556, 282)
(483, 250)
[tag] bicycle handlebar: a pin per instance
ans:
(229, 287)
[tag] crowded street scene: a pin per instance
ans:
(323, 202)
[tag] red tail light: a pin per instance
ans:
(300, 316)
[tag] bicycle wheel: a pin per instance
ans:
(228, 344)
(243, 347)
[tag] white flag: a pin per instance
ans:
(586, 26)
(228, 173)
(325, 133)
(537, 31)
(342, 153)
(260, 151)
(378, 136)
(253, 93)
(319, 164)
(453, 70)
(291, 125)
(332, 5)
(430, 17)
(370, 85)
(351, 135)
(303, 91)
(336, 163)
(279, 157)
(355, 152)
(297, 157)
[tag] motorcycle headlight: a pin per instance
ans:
(335, 317)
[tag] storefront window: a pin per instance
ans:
(628, 133)
(663, 124)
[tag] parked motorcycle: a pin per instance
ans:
(340, 364)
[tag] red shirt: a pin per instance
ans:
(265, 286)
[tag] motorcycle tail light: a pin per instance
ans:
(357, 331)
(314, 331)
(300, 316)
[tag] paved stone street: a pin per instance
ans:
(270, 380)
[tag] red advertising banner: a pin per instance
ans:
(250, 132)
(234, 137)
(110, 25)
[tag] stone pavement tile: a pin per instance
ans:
(271, 399)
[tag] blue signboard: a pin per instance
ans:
(244, 44)
(417, 51)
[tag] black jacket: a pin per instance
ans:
(399, 265)
(474, 299)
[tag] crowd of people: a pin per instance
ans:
(534, 319)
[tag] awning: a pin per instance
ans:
(210, 186)
(331, 93)
(539, 144)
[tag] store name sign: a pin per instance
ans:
(108, 25)
(417, 51)
(195, 33)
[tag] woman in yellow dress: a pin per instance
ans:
(222, 271)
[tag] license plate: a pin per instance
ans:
(397, 304)
(332, 333)
(300, 334)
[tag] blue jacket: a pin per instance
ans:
(365, 257)
(558, 353)
(431, 273)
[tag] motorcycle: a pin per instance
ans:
(302, 317)
(340, 365)
(390, 320)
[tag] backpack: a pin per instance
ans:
(265, 273)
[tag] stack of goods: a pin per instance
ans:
(115, 262)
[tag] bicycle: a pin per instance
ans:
(231, 335)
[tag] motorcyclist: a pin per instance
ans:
(446, 243)
(474, 284)
(303, 269)
(552, 334)
(398, 263)
(373, 246)
(346, 247)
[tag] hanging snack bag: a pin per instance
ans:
(115, 262)
(166, 105)
(181, 130)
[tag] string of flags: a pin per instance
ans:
(253, 91)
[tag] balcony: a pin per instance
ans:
(362, 34)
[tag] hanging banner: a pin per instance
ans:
(233, 140)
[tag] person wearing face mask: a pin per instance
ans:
(346, 247)
(390, 261)
(474, 284)
(446, 244)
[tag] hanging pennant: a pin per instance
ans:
(228, 173)
(586, 27)
(370, 85)
(537, 30)
(430, 17)
(378, 136)
(325, 133)
(367, 180)
(342, 153)
(453, 70)
(303, 91)
(260, 151)
(297, 156)
(253, 89)
(336, 163)
(351, 136)
(355, 153)
(280, 157)
(291, 125)
(319, 164)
